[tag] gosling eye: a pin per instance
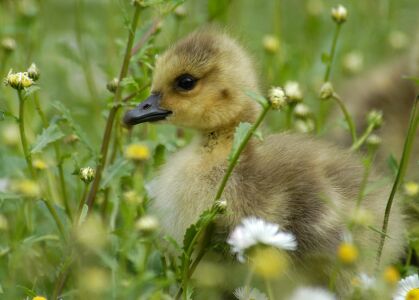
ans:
(185, 82)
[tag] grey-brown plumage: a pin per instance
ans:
(307, 186)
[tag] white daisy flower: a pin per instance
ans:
(253, 231)
(367, 282)
(408, 288)
(312, 293)
(246, 293)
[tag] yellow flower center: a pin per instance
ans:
(268, 262)
(347, 253)
(413, 294)
(39, 298)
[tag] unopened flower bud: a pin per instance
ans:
(326, 91)
(271, 44)
(339, 14)
(180, 11)
(112, 85)
(373, 140)
(375, 118)
(8, 45)
(293, 91)
(87, 174)
(33, 72)
(147, 224)
(304, 126)
(39, 164)
(221, 205)
(278, 98)
(18, 81)
(301, 111)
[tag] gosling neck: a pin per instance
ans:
(216, 140)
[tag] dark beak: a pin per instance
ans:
(147, 111)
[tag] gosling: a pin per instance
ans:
(308, 187)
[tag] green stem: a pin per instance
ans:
(54, 214)
(288, 120)
(26, 153)
(367, 170)
(235, 158)
(111, 117)
(269, 290)
(348, 117)
(324, 104)
(407, 149)
(332, 53)
(186, 272)
(45, 124)
(355, 146)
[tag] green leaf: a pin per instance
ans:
(239, 136)
(1, 289)
(83, 214)
(9, 196)
(74, 126)
(258, 98)
(159, 155)
(392, 164)
(49, 135)
(30, 90)
(130, 83)
(118, 169)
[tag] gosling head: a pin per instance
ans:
(200, 82)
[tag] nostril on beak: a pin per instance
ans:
(146, 106)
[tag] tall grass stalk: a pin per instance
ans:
(113, 112)
(407, 149)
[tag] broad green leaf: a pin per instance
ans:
(258, 98)
(239, 136)
(118, 169)
(49, 135)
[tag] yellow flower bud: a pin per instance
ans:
(39, 164)
(19, 80)
(39, 298)
(137, 152)
(411, 189)
(28, 188)
(391, 275)
(347, 253)
(271, 44)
